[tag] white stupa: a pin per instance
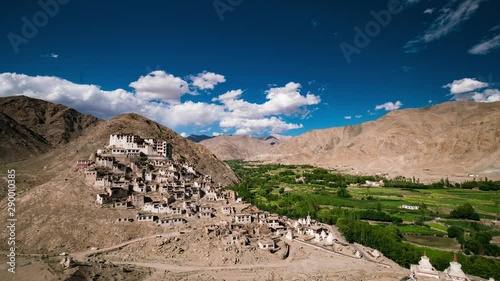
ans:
(330, 238)
(454, 272)
(323, 235)
(317, 237)
(308, 220)
(289, 235)
(424, 268)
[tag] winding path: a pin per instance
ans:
(81, 256)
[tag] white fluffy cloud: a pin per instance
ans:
(486, 46)
(280, 100)
(159, 85)
(197, 113)
(348, 117)
(469, 89)
(388, 106)
(358, 116)
(184, 135)
(449, 19)
(231, 95)
(489, 95)
(163, 104)
(207, 80)
(465, 85)
(88, 98)
(252, 126)
(251, 118)
(429, 11)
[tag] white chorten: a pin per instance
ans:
(424, 268)
(323, 235)
(317, 237)
(330, 238)
(308, 219)
(454, 272)
(289, 235)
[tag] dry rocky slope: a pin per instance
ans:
(236, 147)
(57, 123)
(18, 141)
(275, 139)
(32, 127)
(449, 139)
(198, 138)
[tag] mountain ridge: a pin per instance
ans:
(404, 140)
(227, 147)
(57, 123)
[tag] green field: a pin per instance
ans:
(437, 226)
(422, 230)
(438, 202)
(433, 242)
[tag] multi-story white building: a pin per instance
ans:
(133, 144)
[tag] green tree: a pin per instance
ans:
(474, 246)
(343, 193)
(458, 233)
(465, 211)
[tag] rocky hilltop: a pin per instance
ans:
(186, 150)
(57, 207)
(453, 138)
(35, 127)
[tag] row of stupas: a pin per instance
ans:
(425, 271)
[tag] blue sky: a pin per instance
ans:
(250, 67)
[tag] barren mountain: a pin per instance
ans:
(236, 147)
(275, 139)
(57, 123)
(198, 138)
(449, 139)
(19, 142)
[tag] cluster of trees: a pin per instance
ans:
(478, 242)
(288, 204)
(378, 216)
(402, 182)
(465, 211)
(484, 185)
(343, 193)
(331, 179)
(388, 241)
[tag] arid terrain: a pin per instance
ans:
(236, 147)
(452, 140)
